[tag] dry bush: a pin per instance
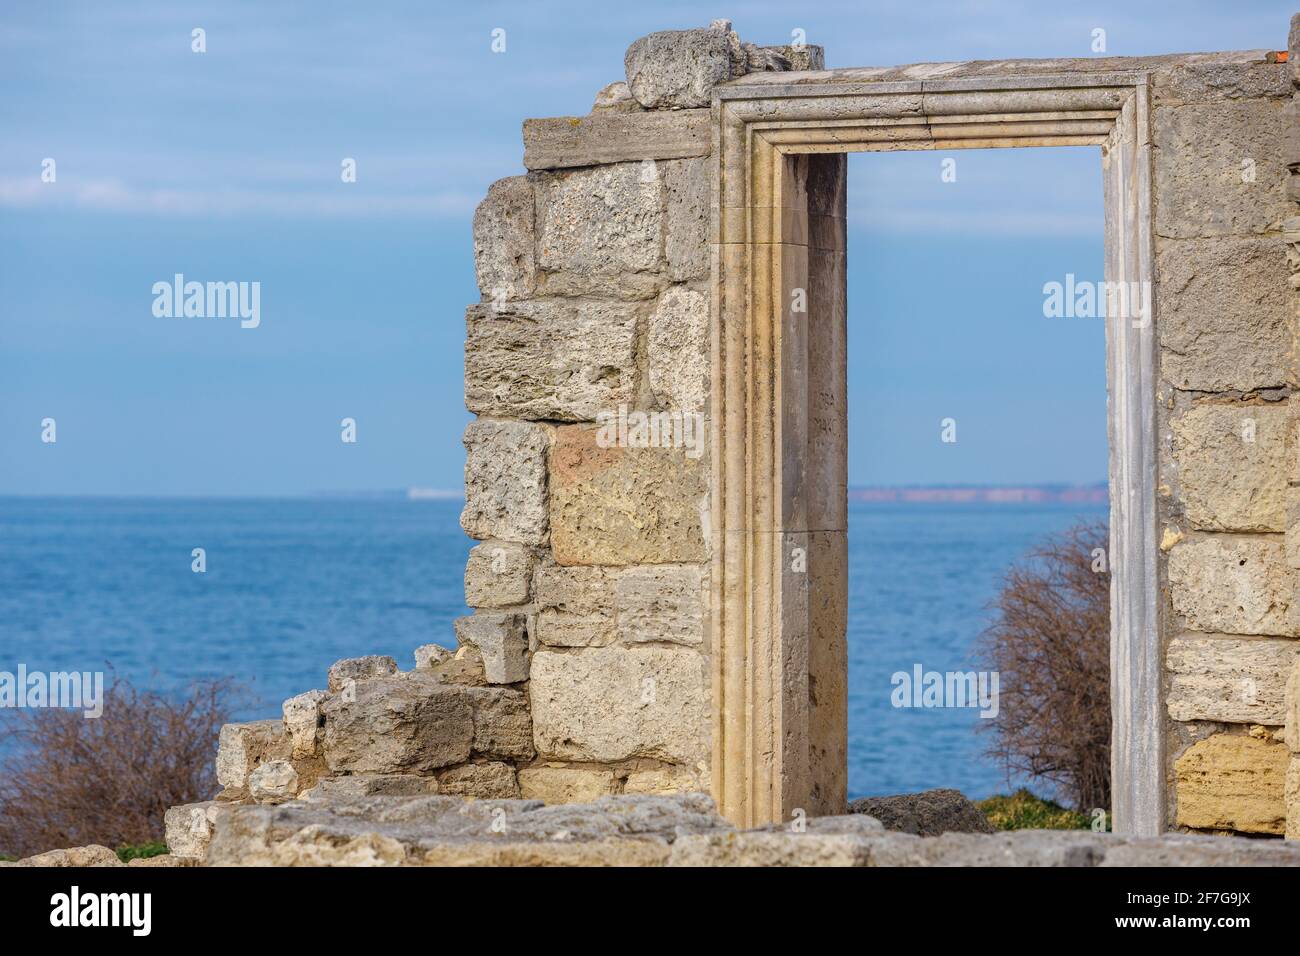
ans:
(66, 780)
(1050, 642)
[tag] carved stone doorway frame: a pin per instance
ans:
(778, 503)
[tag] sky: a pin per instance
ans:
(225, 165)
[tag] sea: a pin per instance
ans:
(291, 585)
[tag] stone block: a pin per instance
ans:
(505, 481)
(618, 506)
(1293, 45)
(343, 672)
(503, 725)
(1291, 794)
(666, 780)
(575, 606)
(303, 721)
(502, 640)
(556, 359)
(188, 828)
(1229, 679)
(605, 704)
(483, 781)
(658, 603)
(616, 97)
(504, 254)
(275, 781)
(615, 136)
(564, 784)
(406, 724)
(1292, 540)
(241, 747)
(498, 574)
(600, 231)
(688, 198)
(677, 351)
(1232, 782)
(678, 69)
(429, 656)
(1225, 319)
(1232, 464)
(1220, 80)
(370, 784)
(1291, 705)
(1235, 585)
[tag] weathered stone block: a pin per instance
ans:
(275, 781)
(677, 351)
(503, 725)
(1232, 462)
(484, 781)
(1229, 679)
(241, 747)
(343, 672)
(1232, 782)
(687, 194)
(188, 828)
(505, 481)
(600, 230)
(575, 606)
(1225, 319)
(804, 56)
(303, 721)
(1223, 79)
(1291, 795)
(617, 506)
(502, 640)
(550, 360)
(1291, 719)
(406, 724)
(604, 704)
(498, 574)
(616, 136)
(370, 784)
(666, 780)
(504, 254)
(615, 96)
(564, 784)
(1235, 585)
(678, 69)
(660, 604)
(1292, 539)
(428, 656)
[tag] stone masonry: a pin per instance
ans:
(584, 672)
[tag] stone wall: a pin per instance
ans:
(1227, 308)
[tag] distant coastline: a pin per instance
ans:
(985, 494)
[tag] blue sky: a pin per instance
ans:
(225, 165)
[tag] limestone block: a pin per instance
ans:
(1225, 319)
(1220, 169)
(1220, 80)
(503, 725)
(504, 254)
(677, 351)
(1291, 719)
(273, 782)
(505, 481)
(1232, 463)
(241, 747)
(665, 780)
(368, 784)
(553, 359)
(618, 506)
(600, 230)
(615, 135)
(302, 720)
(678, 69)
(360, 668)
(428, 656)
(502, 640)
(615, 96)
(498, 574)
(1229, 679)
(688, 197)
(564, 784)
(1235, 585)
(660, 604)
(1292, 798)
(604, 704)
(188, 828)
(1292, 539)
(406, 724)
(1232, 782)
(806, 56)
(575, 606)
(78, 856)
(484, 781)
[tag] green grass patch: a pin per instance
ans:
(141, 851)
(1024, 811)
(6, 858)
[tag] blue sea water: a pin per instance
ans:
(294, 584)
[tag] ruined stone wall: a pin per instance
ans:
(1228, 324)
